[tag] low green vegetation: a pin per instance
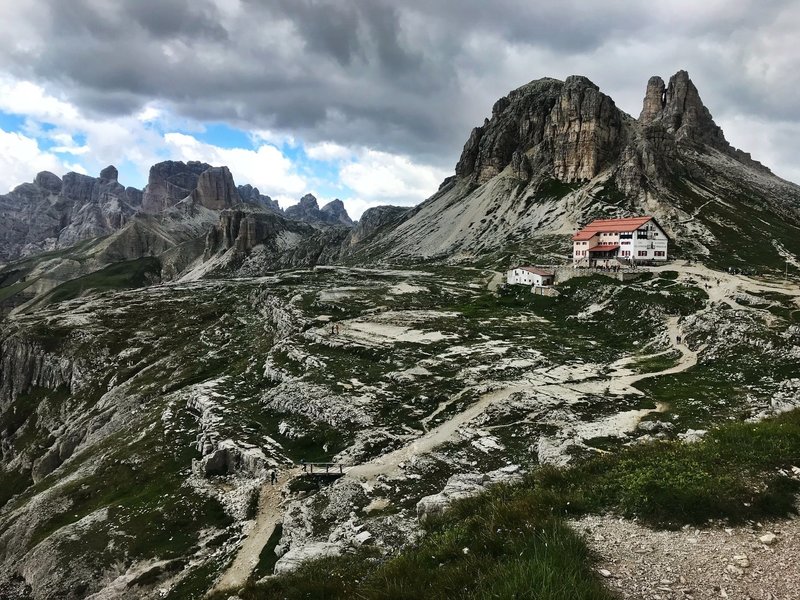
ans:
(123, 275)
(512, 542)
(656, 363)
(733, 474)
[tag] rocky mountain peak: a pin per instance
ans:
(48, 181)
(251, 194)
(679, 109)
(216, 189)
(110, 173)
(307, 210)
(53, 212)
(567, 129)
(309, 201)
(336, 212)
(577, 81)
(169, 183)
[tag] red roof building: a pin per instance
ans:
(620, 242)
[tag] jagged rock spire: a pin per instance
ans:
(679, 109)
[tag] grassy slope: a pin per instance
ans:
(123, 275)
(512, 542)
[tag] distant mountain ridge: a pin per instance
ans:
(51, 212)
(552, 156)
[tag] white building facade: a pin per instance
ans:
(620, 242)
(529, 276)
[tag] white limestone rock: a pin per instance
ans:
(464, 486)
(296, 556)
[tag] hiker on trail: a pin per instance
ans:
(678, 339)
(273, 477)
(303, 462)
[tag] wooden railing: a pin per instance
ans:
(323, 468)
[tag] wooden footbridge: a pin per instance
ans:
(324, 469)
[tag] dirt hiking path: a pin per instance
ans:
(270, 513)
(567, 383)
(557, 383)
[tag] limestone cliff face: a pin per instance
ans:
(25, 365)
(335, 213)
(680, 110)
(216, 190)
(375, 219)
(252, 195)
(52, 213)
(568, 129)
(677, 109)
(244, 230)
(169, 183)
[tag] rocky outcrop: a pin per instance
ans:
(110, 173)
(297, 556)
(680, 110)
(229, 458)
(26, 364)
(52, 213)
(334, 212)
(569, 129)
(169, 183)
(308, 211)
(216, 190)
(244, 230)
(305, 210)
(463, 486)
(251, 195)
(376, 219)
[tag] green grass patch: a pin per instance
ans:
(14, 289)
(732, 474)
(654, 364)
(123, 275)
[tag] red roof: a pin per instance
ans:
(584, 235)
(604, 248)
(536, 271)
(610, 226)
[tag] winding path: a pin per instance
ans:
(561, 382)
(620, 381)
(549, 382)
(270, 513)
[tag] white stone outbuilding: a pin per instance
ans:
(530, 276)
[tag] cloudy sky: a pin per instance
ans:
(366, 100)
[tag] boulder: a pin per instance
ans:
(464, 486)
(297, 556)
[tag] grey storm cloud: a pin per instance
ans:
(410, 77)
